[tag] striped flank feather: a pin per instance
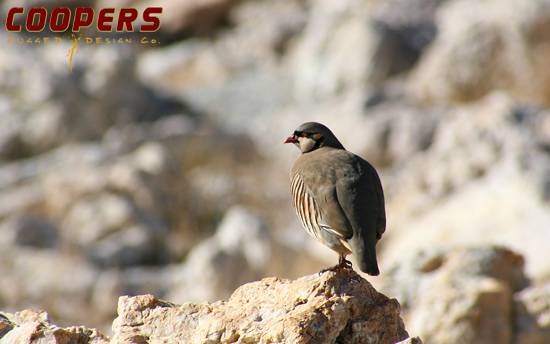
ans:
(306, 208)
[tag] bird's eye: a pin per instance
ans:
(306, 134)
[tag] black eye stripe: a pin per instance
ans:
(302, 134)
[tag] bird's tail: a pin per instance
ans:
(364, 252)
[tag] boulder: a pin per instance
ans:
(27, 230)
(45, 105)
(112, 231)
(45, 279)
(463, 295)
(238, 253)
(332, 307)
(532, 314)
(193, 17)
(483, 176)
(32, 326)
(483, 46)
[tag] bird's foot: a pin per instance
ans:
(343, 263)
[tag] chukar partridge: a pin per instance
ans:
(337, 196)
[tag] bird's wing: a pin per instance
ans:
(359, 192)
(360, 195)
(319, 180)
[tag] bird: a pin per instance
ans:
(338, 197)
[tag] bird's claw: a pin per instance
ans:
(343, 263)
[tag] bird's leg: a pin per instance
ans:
(342, 263)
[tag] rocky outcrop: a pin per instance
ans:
(532, 314)
(333, 307)
(194, 17)
(483, 46)
(339, 306)
(31, 326)
(476, 185)
(476, 295)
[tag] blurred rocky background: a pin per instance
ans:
(159, 168)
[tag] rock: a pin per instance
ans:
(395, 132)
(214, 82)
(127, 138)
(181, 66)
(42, 129)
(235, 77)
(114, 282)
(112, 95)
(11, 146)
(479, 48)
(5, 325)
(114, 202)
(239, 252)
(113, 232)
(352, 47)
(532, 314)
(402, 31)
(193, 17)
(71, 107)
(411, 340)
(242, 101)
(31, 326)
(470, 296)
(335, 34)
(263, 31)
(17, 199)
(335, 306)
(473, 186)
(120, 227)
(34, 278)
(29, 230)
(141, 244)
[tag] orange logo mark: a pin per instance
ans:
(71, 51)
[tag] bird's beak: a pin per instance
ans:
(291, 139)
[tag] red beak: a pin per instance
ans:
(291, 139)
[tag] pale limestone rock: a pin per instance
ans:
(42, 128)
(34, 327)
(238, 253)
(479, 181)
(197, 16)
(463, 295)
(33, 231)
(181, 66)
(322, 309)
(333, 53)
(532, 314)
(411, 340)
(486, 45)
(113, 232)
(34, 277)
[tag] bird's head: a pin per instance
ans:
(311, 136)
